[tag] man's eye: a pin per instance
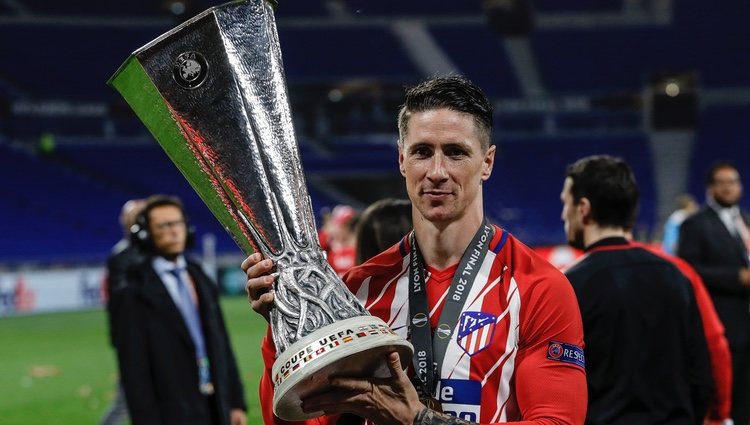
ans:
(455, 152)
(421, 152)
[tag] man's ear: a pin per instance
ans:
(401, 159)
(488, 163)
(584, 210)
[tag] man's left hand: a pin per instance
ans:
(384, 401)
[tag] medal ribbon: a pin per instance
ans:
(429, 352)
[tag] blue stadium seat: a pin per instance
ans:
(479, 54)
(523, 194)
(722, 134)
(332, 54)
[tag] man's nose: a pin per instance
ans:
(437, 170)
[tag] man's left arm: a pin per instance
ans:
(550, 379)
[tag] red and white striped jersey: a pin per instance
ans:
(516, 354)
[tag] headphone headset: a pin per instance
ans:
(140, 234)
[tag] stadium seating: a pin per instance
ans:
(523, 193)
(346, 69)
(722, 135)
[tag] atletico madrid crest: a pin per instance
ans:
(475, 331)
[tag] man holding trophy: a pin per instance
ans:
(505, 341)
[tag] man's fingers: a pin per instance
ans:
(352, 385)
(251, 260)
(263, 302)
(259, 268)
(260, 285)
(334, 402)
(394, 364)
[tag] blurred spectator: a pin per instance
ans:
(176, 361)
(341, 239)
(715, 242)
(686, 206)
(124, 254)
(381, 225)
(647, 360)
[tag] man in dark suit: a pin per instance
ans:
(176, 362)
(715, 242)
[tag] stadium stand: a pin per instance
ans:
(346, 65)
(722, 134)
(524, 191)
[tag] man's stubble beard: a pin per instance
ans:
(577, 241)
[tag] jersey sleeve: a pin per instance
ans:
(550, 380)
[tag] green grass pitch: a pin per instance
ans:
(60, 369)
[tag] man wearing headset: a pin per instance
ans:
(176, 362)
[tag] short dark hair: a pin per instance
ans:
(609, 185)
(380, 226)
(156, 201)
(715, 167)
(451, 92)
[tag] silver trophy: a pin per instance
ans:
(212, 92)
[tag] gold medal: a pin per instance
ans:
(432, 403)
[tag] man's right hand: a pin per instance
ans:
(259, 283)
(745, 276)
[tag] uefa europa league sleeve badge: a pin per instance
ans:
(212, 92)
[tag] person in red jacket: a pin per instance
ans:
(514, 350)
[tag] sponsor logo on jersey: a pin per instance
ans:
(460, 398)
(475, 331)
(567, 353)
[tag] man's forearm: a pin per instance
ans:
(431, 417)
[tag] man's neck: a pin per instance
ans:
(172, 258)
(593, 234)
(444, 245)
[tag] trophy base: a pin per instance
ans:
(353, 347)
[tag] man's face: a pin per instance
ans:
(726, 188)
(571, 216)
(168, 229)
(442, 159)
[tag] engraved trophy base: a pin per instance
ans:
(353, 347)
